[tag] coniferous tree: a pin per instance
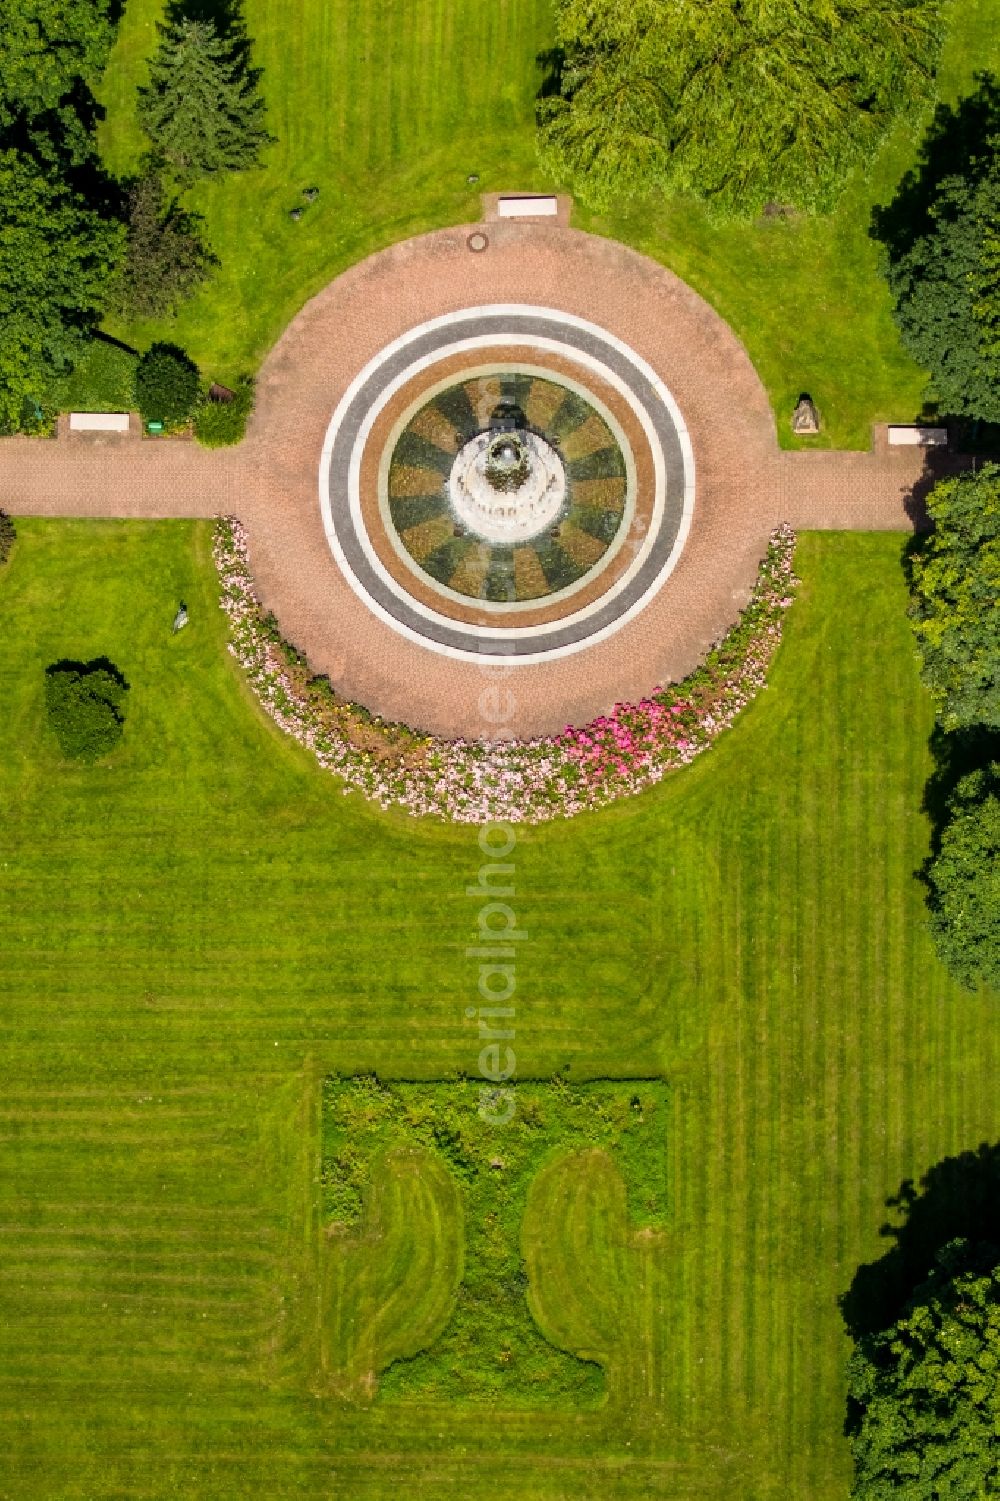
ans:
(165, 255)
(202, 110)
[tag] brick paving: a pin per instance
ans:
(745, 485)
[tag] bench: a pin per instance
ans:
(526, 207)
(921, 437)
(98, 422)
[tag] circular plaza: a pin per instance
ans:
(546, 461)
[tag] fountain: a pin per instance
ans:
(507, 487)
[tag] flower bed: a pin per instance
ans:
(526, 781)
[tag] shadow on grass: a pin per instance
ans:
(956, 754)
(959, 1198)
(77, 669)
(100, 337)
(957, 144)
(551, 61)
(227, 19)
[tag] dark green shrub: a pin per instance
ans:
(8, 536)
(102, 380)
(166, 385)
(220, 423)
(85, 702)
(954, 583)
(964, 881)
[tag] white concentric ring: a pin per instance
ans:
(487, 642)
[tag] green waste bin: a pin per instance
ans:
(154, 427)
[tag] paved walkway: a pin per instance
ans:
(745, 484)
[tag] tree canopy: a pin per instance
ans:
(738, 104)
(955, 585)
(946, 288)
(926, 1392)
(46, 47)
(57, 255)
(59, 241)
(202, 110)
(964, 880)
(165, 255)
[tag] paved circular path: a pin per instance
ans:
(744, 484)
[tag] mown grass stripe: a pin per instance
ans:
(751, 929)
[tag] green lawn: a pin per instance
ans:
(388, 105)
(429, 1298)
(200, 930)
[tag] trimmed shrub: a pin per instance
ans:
(964, 881)
(166, 385)
(102, 380)
(954, 575)
(220, 423)
(8, 536)
(85, 702)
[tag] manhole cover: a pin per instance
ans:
(477, 241)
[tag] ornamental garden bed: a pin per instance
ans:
(584, 767)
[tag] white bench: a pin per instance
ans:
(921, 437)
(524, 206)
(98, 422)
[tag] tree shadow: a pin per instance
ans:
(225, 16)
(957, 143)
(956, 754)
(227, 20)
(100, 337)
(938, 464)
(62, 141)
(959, 1198)
(551, 61)
(87, 669)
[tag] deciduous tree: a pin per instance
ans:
(46, 48)
(739, 104)
(964, 881)
(955, 586)
(946, 287)
(926, 1393)
(57, 255)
